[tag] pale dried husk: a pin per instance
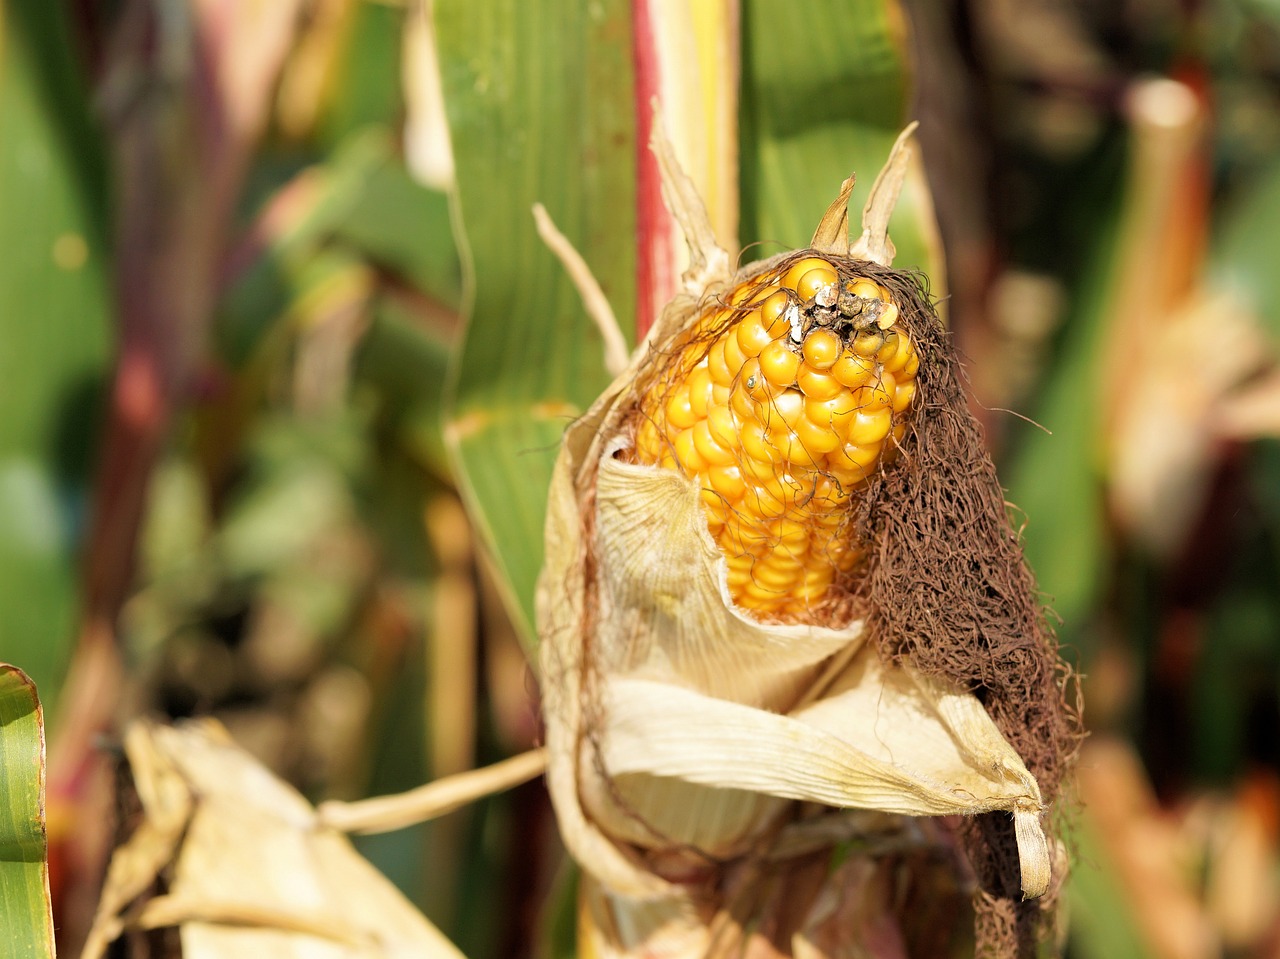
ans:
(249, 868)
(678, 727)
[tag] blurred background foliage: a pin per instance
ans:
(270, 316)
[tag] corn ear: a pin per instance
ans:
(678, 716)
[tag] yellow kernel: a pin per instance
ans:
(905, 350)
(798, 269)
(828, 493)
(766, 575)
(784, 488)
(794, 450)
(791, 535)
(809, 593)
(773, 313)
(733, 355)
(668, 459)
(758, 446)
(889, 384)
(679, 410)
(912, 365)
(833, 413)
(779, 364)
(903, 396)
(874, 396)
(687, 453)
(814, 281)
(787, 406)
(868, 344)
(853, 370)
(759, 470)
(648, 442)
(751, 291)
(699, 386)
(870, 426)
(721, 375)
(822, 349)
(847, 558)
(724, 426)
(712, 453)
(888, 316)
(830, 518)
(820, 386)
(712, 502)
(818, 437)
(751, 379)
(719, 395)
(889, 350)
(751, 335)
(761, 500)
(815, 575)
(867, 290)
(761, 597)
(848, 475)
(742, 404)
(727, 481)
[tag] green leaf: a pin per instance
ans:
(54, 332)
(361, 202)
(539, 100)
(367, 86)
(1102, 921)
(26, 916)
(1243, 255)
(405, 360)
(824, 94)
(1053, 473)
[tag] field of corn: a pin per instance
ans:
(328, 472)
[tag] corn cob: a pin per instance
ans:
(783, 399)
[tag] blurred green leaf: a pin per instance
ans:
(405, 360)
(54, 332)
(367, 87)
(26, 917)
(540, 107)
(360, 204)
(559, 917)
(402, 226)
(1243, 258)
(817, 105)
(1052, 472)
(299, 485)
(1102, 926)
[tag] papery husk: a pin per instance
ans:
(677, 725)
(248, 867)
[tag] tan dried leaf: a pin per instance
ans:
(252, 872)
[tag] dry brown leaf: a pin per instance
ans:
(251, 871)
(1181, 399)
(1252, 411)
(1153, 862)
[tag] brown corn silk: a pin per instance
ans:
(686, 711)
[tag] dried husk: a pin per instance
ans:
(678, 726)
(248, 867)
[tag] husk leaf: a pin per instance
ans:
(250, 869)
